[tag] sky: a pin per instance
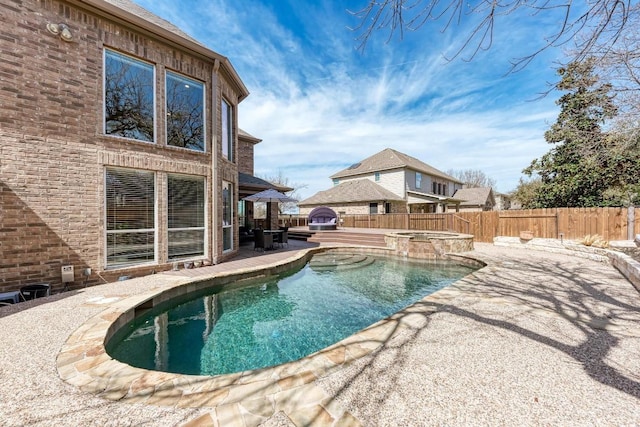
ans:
(320, 104)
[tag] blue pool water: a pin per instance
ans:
(279, 319)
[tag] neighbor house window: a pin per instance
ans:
(336, 181)
(227, 216)
(227, 130)
(435, 188)
(418, 180)
(186, 216)
(185, 112)
(130, 216)
(373, 208)
(439, 188)
(377, 176)
(128, 97)
(444, 189)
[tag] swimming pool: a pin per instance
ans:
(279, 319)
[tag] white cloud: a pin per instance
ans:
(319, 106)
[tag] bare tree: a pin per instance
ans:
(473, 178)
(602, 20)
(283, 181)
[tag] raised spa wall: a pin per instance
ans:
(425, 245)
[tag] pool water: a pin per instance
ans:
(280, 319)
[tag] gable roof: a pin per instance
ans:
(474, 196)
(391, 159)
(357, 190)
(140, 18)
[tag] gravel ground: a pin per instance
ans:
(532, 339)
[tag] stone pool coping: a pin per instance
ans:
(84, 362)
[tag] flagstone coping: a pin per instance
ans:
(250, 396)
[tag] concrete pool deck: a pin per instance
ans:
(533, 338)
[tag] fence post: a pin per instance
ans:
(631, 222)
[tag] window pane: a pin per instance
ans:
(186, 216)
(186, 243)
(227, 134)
(227, 238)
(130, 248)
(130, 216)
(185, 201)
(418, 180)
(227, 216)
(128, 97)
(130, 199)
(185, 112)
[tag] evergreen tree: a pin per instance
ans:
(580, 167)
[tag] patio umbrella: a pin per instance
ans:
(269, 196)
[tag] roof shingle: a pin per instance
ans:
(357, 190)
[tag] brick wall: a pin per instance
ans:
(53, 152)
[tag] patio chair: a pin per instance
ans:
(30, 292)
(258, 239)
(284, 238)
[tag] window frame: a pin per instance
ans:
(418, 180)
(372, 207)
(203, 228)
(107, 232)
(227, 117)
(376, 176)
(115, 53)
(203, 85)
(228, 227)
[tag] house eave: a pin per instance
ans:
(156, 30)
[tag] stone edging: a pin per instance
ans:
(629, 267)
(84, 362)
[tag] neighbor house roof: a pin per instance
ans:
(138, 17)
(358, 190)
(474, 196)
(391, 159)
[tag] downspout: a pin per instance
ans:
(214, 160)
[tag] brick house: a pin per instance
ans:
(387, 182)
(118, 144)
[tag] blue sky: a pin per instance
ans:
(320, 105)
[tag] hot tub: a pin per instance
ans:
(428, 244)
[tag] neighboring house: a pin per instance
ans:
(503, 202)
(475, 199)
(118, 144)
(387, 182)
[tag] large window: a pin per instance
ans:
(418, 180)
(227, 131)
(128, 97)
(227, 216)
(130, 206)
(185, 112)
(186, 216)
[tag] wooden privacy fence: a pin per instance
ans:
(568, 223)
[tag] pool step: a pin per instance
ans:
(361, 239)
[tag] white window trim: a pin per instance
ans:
(231, 225)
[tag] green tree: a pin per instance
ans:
(580, 167)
